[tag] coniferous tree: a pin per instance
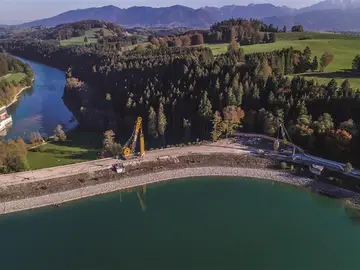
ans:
(345, 86)
(152, 130)
(231, 99)
(266, 38)
(161, 122)
(272, 37)
(205, 110)
(332, 87)
(315, 64)
(239, 92)
(216, 126)
(187, 130)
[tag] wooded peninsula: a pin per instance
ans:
(184, 92)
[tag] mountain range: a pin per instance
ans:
(331, 15)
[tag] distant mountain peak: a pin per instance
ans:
(327, 14)
(332, 4)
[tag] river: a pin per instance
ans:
(40, 108)
(197, 224)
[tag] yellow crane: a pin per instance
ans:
(130, 146)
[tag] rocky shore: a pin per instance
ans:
(15, 99)
(57, 191)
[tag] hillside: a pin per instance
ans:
(14, 75)
(134, 16)
(326, 15)
(251, 11)
(331, 4)
(331, 20)
(343, 47)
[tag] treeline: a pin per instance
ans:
(52, 53)
(244, 31)
(178, 91)
(76, 29)
(10, 88)
(287, 61)
(118, 41)
(9, 64)
(177, 41)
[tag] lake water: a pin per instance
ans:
(213, 223)
(41, 107)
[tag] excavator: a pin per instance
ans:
(129, 148)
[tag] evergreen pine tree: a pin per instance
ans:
(152, 123)
(161, 122)
(231, 99)
(315, 64)
(216, 129)
(345, 86)
(205, 108)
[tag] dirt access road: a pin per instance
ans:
(101, 164)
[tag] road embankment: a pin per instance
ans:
(56, 191)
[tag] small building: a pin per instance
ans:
(5, 118)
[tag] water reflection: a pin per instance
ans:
(140, 194)
(353, 214)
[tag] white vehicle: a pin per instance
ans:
(118, 168)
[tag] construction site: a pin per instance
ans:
(260, 154)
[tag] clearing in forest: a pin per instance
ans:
(17, 77)
(90, 35)
(343, 47)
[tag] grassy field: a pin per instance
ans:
(91, 37)
(14, 77)
(343, 47)
(79, 147)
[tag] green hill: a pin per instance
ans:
(16, 77)
(343, 47)
(91, 34)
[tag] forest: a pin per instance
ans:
(186, 93)
(9, 88)
(9, 64)
(76, 29)
(245, 32)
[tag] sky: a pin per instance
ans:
(18, 11)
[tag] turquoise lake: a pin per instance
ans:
(200, 223)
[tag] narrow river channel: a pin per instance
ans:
(202, 223)
(40, 108)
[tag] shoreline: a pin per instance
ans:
(18, 94)
(170, 175)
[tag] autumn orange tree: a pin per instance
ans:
(227, 123)
(339, 139)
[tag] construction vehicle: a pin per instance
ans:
(129, 148)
